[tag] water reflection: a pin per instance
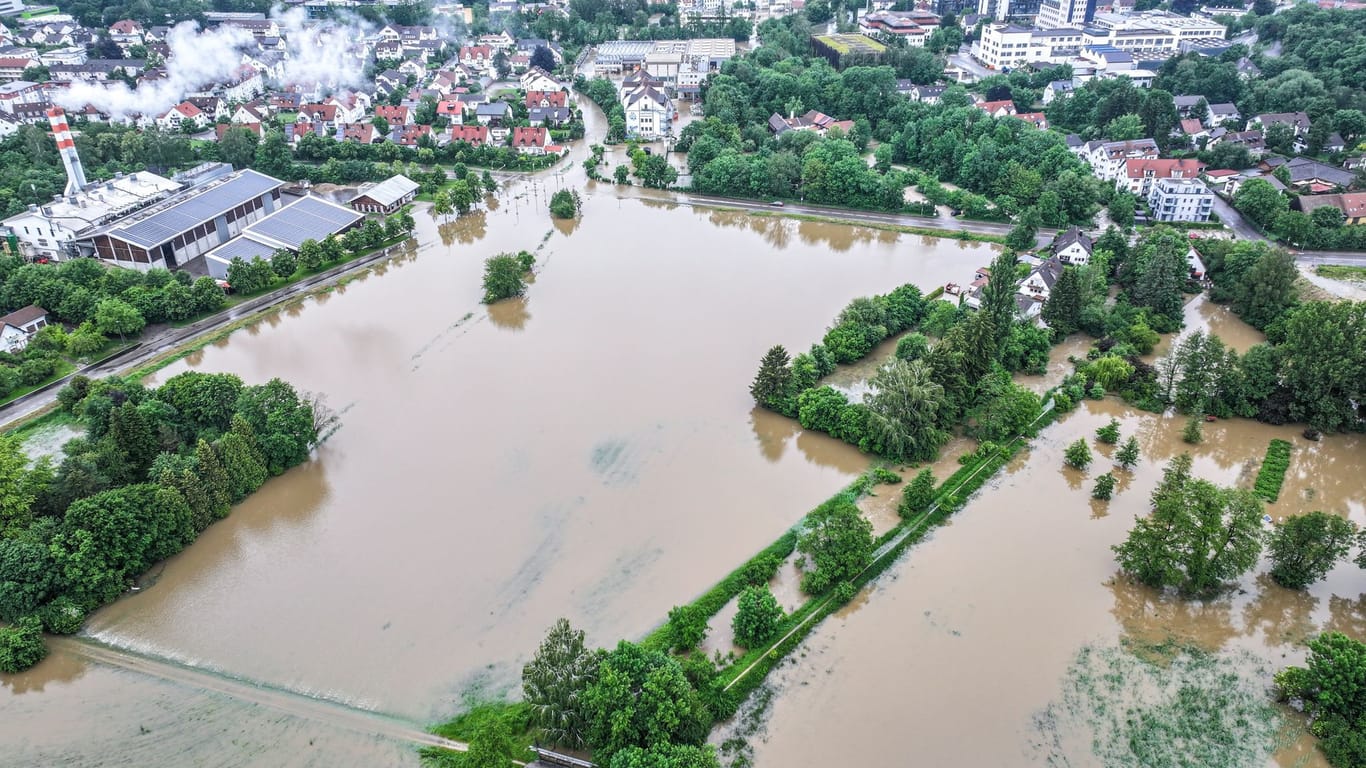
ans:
(56, 669)
(510, 314)
(772, 431)
(1148, 617)
(566, 227)
(1282, 616)
(465, 229)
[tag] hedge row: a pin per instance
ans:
(1272, 474)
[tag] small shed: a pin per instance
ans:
(387, 196)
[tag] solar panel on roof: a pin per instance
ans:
(243, 248)
(311, 218)
(195, 210)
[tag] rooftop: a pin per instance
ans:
(389, 191)
(170, 218)
(106, 200)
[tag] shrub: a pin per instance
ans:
(1105, 487)
(564, 204)
(1127, 456)
(62, 616)
(918, 495)
(761, 569)
(1304, 549)
(1109, 434)
(1193, 432)
(885, 476)
(1078, 455)
(758, 618)
(21, 646)
(1272, 474)
(503, 277)
(687, 626)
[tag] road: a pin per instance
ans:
(171, 337)
(1243, 230)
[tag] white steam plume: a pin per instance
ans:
(318, 54)
(197, 59)
(321, 54)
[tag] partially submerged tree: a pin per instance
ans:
(758, 617)
(773, 378)
(1198, 535)
(1305, 548)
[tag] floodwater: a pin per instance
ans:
(589, 451)
(967, 641)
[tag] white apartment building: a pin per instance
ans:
(1108, 158)
(1180, 200)
(1008, 45)
(1065, 13)
(1181, 28)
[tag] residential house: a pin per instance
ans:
(176, 117)
(1036, 119)
(555, 117)
(1057, 88)
(451, 109)
(1192, 131)
(499, 42)
(1297, 121)
(388, 50)
(927, 94)
(1253, 141)
(351, 107)
(493, 112)
(479, 57)
(1180, 199)
(1219, 178)
(251, 112)
(1351, 204)
(1318, 177)
(530, 141)
(18, 327)
(474, 135)
(997, 108)
(1221, 113)
(817, 122)
(20, 92)
(361, 133)
(1140, 174)
(1247, 70)
(394, 115)
(409, 135)
(411, 68)
(212, 107)
(537, 79)
(12, 67)
(1334, 143)
(126, 33)
(223, 128)
(284, 102)
(390, 80)
(1038, 284)
(546, 99)
(1196, 264)
(324, 115)
(1073, 247)
(1106, 158)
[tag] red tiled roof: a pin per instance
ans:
(553, 98)
(472, 134)
(1138, 168)
(223, 128)
(529, 137)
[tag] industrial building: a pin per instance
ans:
(181, 228)
(387, 196)
(309, 218)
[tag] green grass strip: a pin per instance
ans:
(1272, 474)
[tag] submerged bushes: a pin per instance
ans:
(1272, 474)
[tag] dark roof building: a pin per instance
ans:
(288, 228)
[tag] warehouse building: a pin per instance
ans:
(309, 218)
(183, 227)
(50, 231)
(387, 196)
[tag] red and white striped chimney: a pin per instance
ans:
(75, 174)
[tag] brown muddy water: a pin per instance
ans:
(959, 650)
(590, 451)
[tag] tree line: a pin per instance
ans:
(153, 469)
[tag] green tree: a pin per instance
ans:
(905, 409)
(1323, 362)
(1260, 201)
(283, 263)
(1332, 688)
(1077, 455)
(503, 278)
(758, 617)
(912, 346)
(666, 756)
(1305, 548)
(917, 496)
(16, 495)
(461, 196)
(773, 379)
(311, 257)
(1062, 310)
(687, 626)
(564, 204)
(1124, 128)
(620, 175)
(242, 464)
(837, 543)
(1105, 487)
(1197, 535)
(998, 300)
(214, 478)
(1267, 290)
(21, 646)
(134, 438)
(1121, 209)
(273, 156)
(238, 146)
(208, 296)
(1127, 456)
(1003, 408)
(491, 746)
(641, 698)
(1023, 236)
(1193, 433)
(553, 683)
(114, 316)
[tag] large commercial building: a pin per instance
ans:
(50, 231)
(183, 227)
(308, 218)
(1066, 13)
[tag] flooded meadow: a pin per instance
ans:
(591, 451)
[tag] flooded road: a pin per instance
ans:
(589, 451)
(961, 648)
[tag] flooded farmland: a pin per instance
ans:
(590, 451)
(962, 655)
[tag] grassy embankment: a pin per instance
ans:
(1341, 272)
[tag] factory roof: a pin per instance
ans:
(104, 201)
(389, 191)
(311, 218)
(197, 206)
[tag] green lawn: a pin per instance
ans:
(1341, 272)
(64, 367)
